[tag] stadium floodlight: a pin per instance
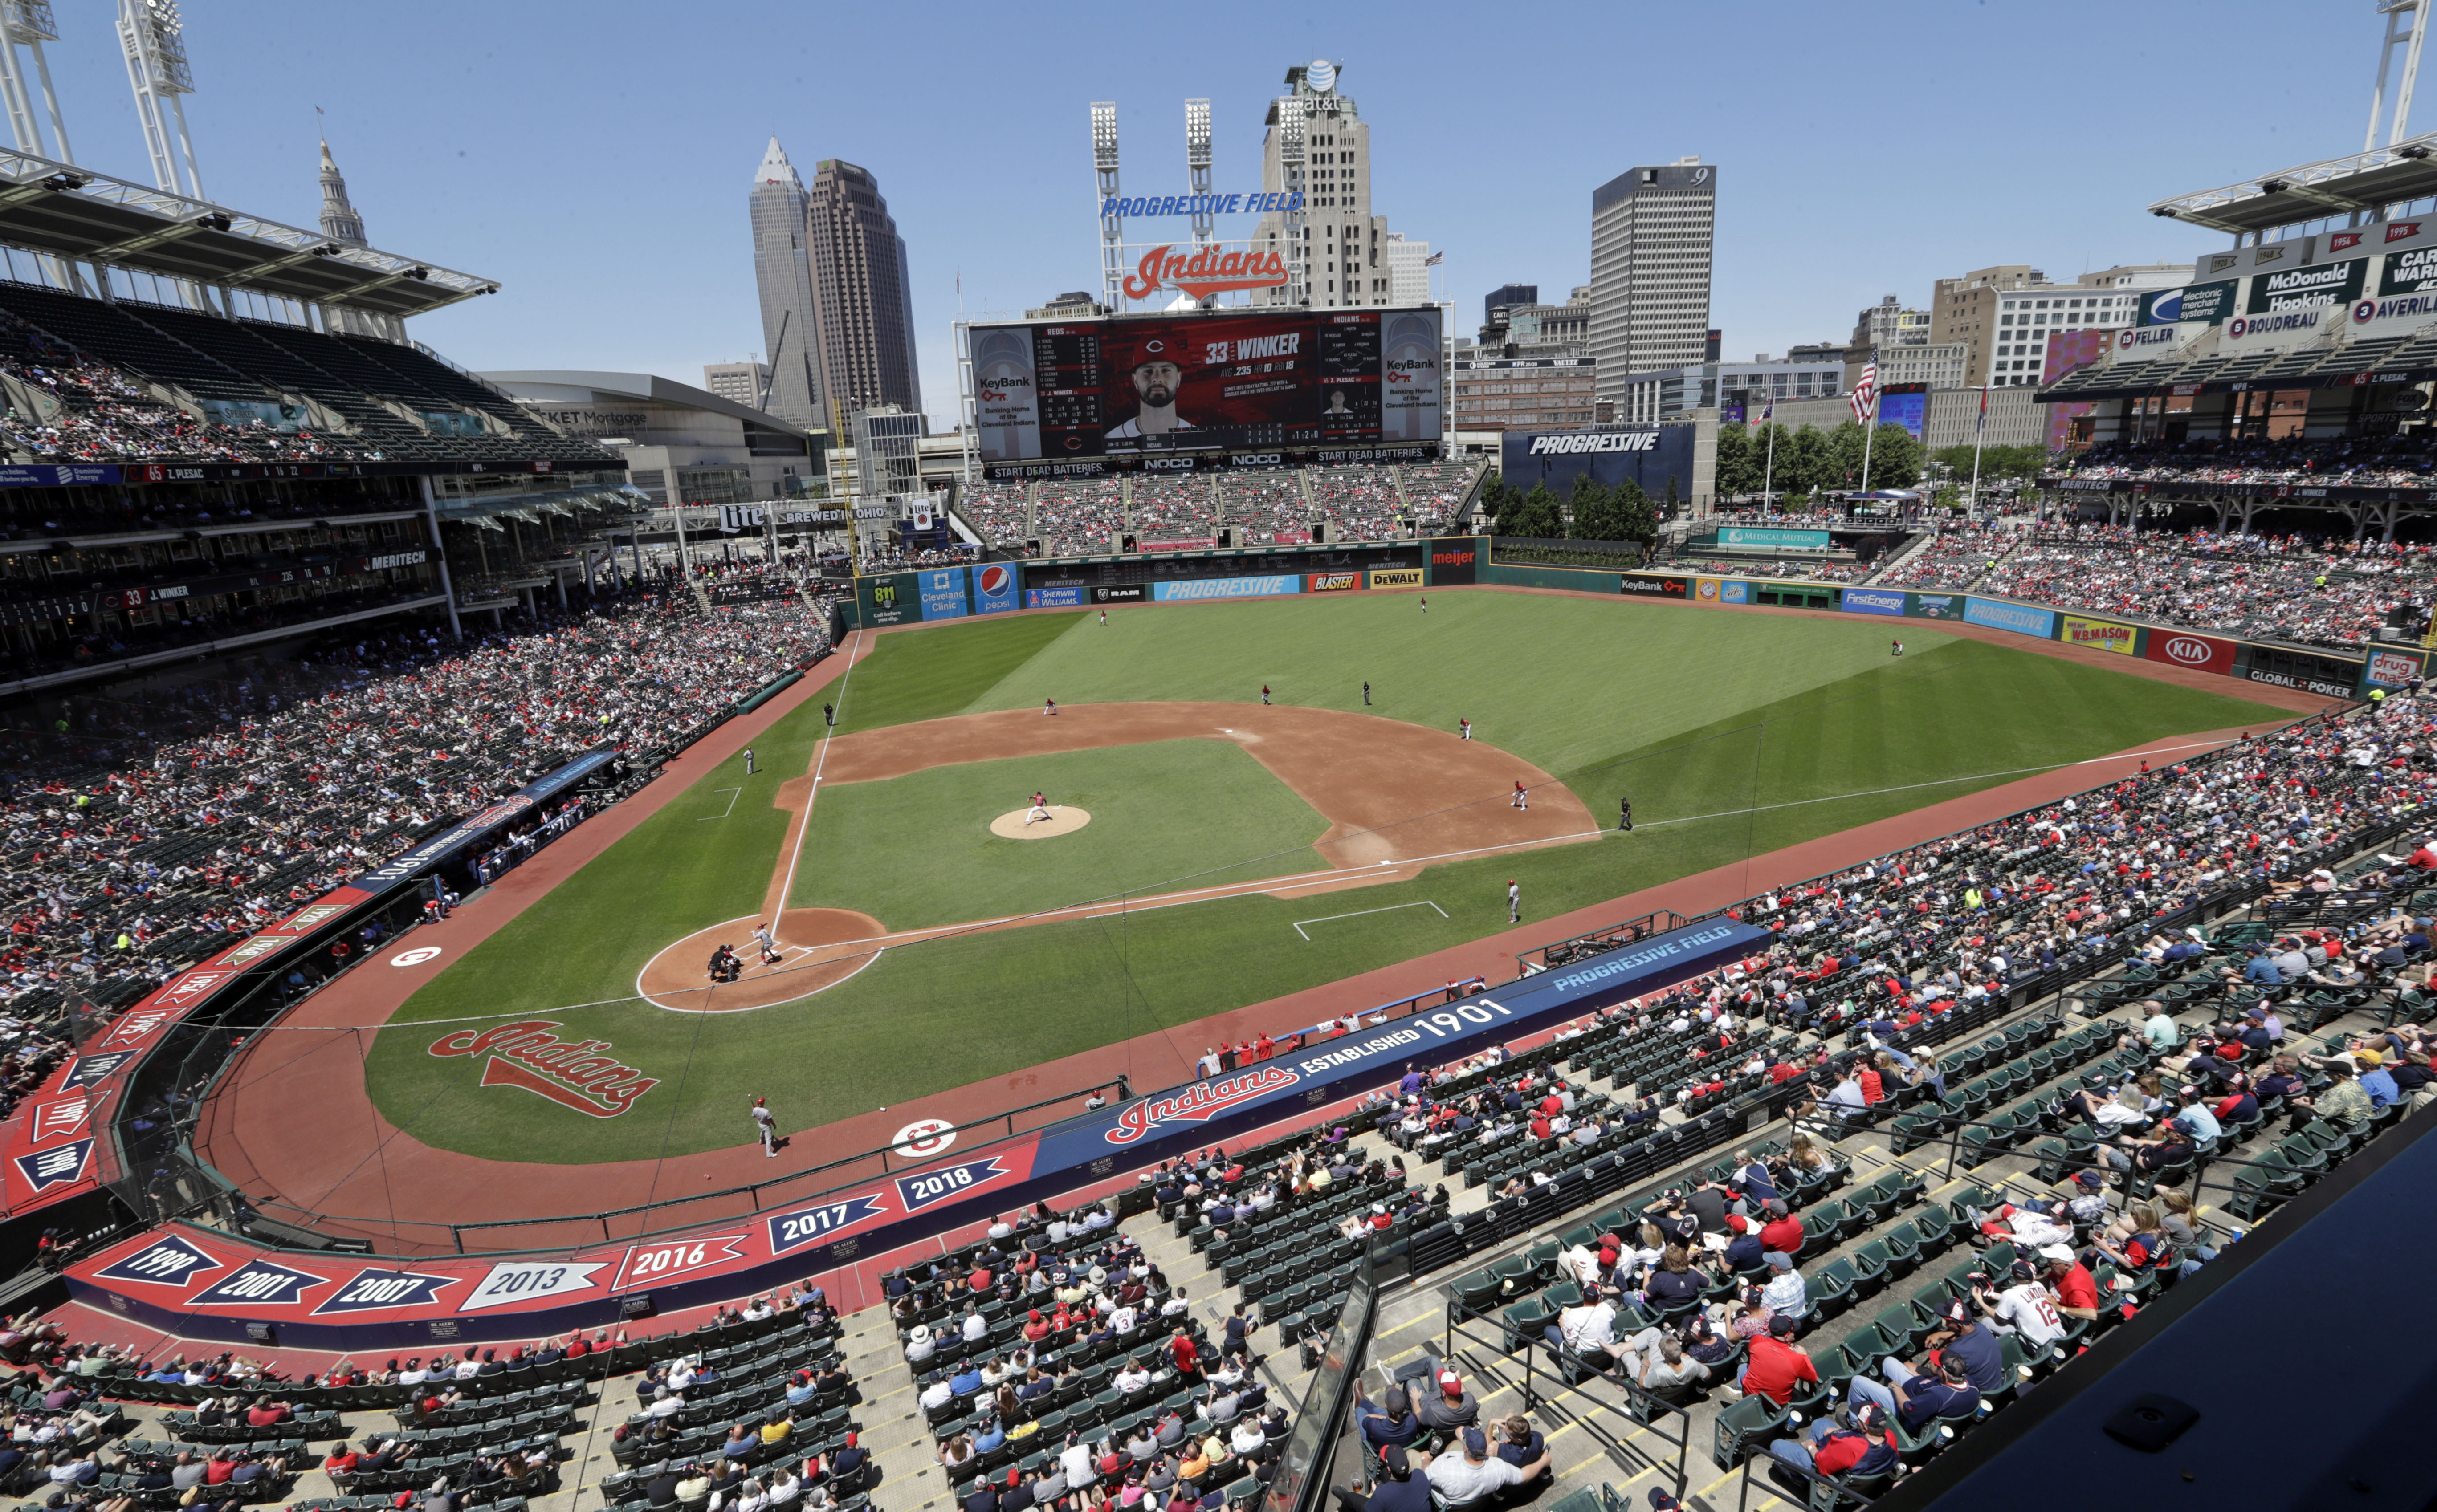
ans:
(29, 22)
(1112, 224)
(148, 34)
(1197, 168)
(2407, 27)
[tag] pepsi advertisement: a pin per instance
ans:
(1226, 381)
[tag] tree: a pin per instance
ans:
(1493, 496)
(1618, 513)
(1534, 514)
(1895, 459)
(1672, 500)
(1770, 450)
(1804, 467)
(1738, 466)
(1585, 505)
(1996, 462)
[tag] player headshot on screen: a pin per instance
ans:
(1156, 380)
(1336, 409)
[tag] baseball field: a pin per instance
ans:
(1234, 852)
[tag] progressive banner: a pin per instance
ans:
(1228, 588)
(2019, 618)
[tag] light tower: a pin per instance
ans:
(1197, 168)
(1112, 225)
(2407, 27)
(156, 70)
(29, 22)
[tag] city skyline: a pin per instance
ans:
(459, 150)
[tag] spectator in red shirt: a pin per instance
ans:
(265, 1412)
(2077, 1290)
(1188, 1359)
(1784, 1231)
(1777, 1364)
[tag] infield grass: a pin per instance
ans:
(1735, 735)
(916, 851)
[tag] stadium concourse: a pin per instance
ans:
(1885, 1016)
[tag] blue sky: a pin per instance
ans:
(595, 159)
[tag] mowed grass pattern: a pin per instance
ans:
(916, 850)
(1735, 735)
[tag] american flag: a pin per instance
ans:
(1866, 394)
(1767, 409)
(1434, 259)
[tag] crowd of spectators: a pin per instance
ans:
(1363, 501)
(1955, 556)
(2405, 460)
(1266, 503)
(1815, 569)
(1080, 518)
(878, 557)
(2329, 593)
(142, 829)
(1174, 509)
(101, 415)
(1000, 1334)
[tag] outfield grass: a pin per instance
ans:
(916, 850)
(1734, 735)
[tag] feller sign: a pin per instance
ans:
(1205, 272)
(578, 1075)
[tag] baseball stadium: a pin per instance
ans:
(1222, 973)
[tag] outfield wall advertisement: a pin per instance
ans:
(2100, 634)
(2021, 618)
(203, 1283)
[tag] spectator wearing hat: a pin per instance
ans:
(1861, 1444)
(1474, 1475)
(1783, 1233)
(2342, 1102)
(2076, 1289)
(1917, 1400)
(1397, 1490)
(1777, 1365)
(2021, 1307)
(1785, 1295)
(1452, 1407)
(1746, 1252)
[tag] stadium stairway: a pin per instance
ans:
(1914, 543)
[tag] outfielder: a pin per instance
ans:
(1040, 809)
(765, 1126)
(1104, 617)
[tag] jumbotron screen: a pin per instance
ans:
(1225, 381)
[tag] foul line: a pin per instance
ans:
(1392, 907)
(827, 734)
(725, 812)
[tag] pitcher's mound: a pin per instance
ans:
(1064, 819)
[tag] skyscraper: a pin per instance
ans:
(783, 270)
(862, 300)
(1651, 234)
(1318, 143)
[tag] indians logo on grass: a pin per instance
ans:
(577, 1073)
(1199, 1102)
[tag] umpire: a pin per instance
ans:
(1624, 814)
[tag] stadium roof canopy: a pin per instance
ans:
(89, 218)
(2364, 182)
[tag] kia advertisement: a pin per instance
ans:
(2183, 648)
(1225, 381)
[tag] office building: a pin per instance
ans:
(2003, 316)
(862, 297)
(1507, 294)
(1662, 394)
(1494, 394)
(1408, 269)
(738, 383)
(1077, 306)
(1651, 236)
(1533, 330)
(782, 271)
(1345, 245)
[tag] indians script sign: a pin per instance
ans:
(575, 1073)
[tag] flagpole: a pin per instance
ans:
(1871, 423)
(1768, 473)
(1979, 433)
